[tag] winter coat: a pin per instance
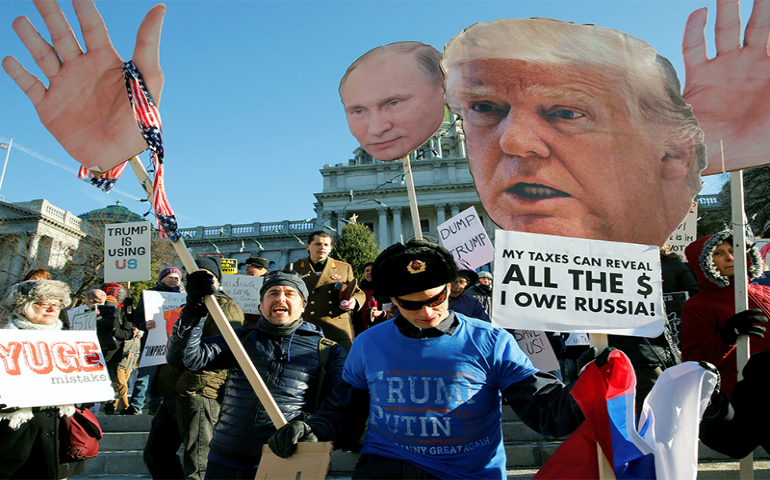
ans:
(289, 365)
(469, 306)
(206, 382)
(482, 293)
(113, 327)
(704, 315)
(677, 276)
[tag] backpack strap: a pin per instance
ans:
(324, 350)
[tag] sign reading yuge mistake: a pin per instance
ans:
(127, 252)
(544, 282)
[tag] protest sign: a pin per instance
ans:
(537, 347)
(127, 252)
(163, 308)
(544, 282)
(82, 317)
(577, 339)
(245, 291)
(229, 266)
(464, 236)
(686, 232)
(763, 245)
(674, 302)
(52, 367)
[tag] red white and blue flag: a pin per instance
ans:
(104, 181)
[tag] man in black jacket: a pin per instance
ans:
(291, 356)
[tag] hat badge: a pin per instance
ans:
(416, 266)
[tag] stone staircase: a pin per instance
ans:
(125, 436)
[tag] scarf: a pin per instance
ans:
(23, 415)
(278, 330)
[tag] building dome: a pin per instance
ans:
(111, 214)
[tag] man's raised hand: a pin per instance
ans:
(85, 105)
(730, 93)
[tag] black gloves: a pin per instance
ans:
(593, 354)
(6, 409)
(199, 284)
(284, 441)
(743, 324)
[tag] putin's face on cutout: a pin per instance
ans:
(391, 107)
(557, 150)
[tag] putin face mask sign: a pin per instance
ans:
(394, 98)
(574, 130)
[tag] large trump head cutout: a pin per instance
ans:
(394, 98)
(574, 130)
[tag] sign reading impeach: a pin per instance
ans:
(38, 366)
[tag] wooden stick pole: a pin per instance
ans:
(412, 198)
(740, 271)
(219, 317)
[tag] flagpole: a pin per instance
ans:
(7, 154)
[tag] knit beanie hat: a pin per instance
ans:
(259, 262)
(35, 290)
(419, 265)
(168, 271)
(485, 274)
(288, 279)
(212, 264)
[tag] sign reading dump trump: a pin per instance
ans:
(38, 366)
(127, 252)
(163, 308)
(544, 282)
(465, 238)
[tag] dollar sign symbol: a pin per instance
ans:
(645, 288)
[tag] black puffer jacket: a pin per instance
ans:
(288, 365)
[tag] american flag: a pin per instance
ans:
(148, 118)
(4, 146)
(104, 181)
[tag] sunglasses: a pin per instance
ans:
(418, 304)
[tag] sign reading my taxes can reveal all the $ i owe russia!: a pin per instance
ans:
(127, 252)
(545, 282)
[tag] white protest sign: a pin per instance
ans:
(52, 367)
(464, 236)
(537, 347)
(686, 232)
(82, 317)
(127, 252)
(163, 308)
(576, 339)
(245, 291)
(763, 245)
(562, 284)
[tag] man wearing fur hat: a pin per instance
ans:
(710, 326)
(191, 398)
(299, 367)
(430, 382)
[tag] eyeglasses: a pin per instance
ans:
(418, 304)
(47, 305)
(461, 282)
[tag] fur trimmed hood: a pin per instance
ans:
(699, 254)
(34, 290)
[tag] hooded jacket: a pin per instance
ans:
(704, 315)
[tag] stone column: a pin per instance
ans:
(284, 257)
(455, 206)
(340, 223)
(397, 237)
(383, 213)
(440, 212)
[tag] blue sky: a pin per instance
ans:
(250, 106)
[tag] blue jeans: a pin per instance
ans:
(141, 378)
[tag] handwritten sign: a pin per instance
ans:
(465, 238)
(686, 232)
(127, 252)
(537, 347)
(40, 366)
(163, 308)
(674, 303)
(229, 266)
(245, 291)
(82, 317)
(561, 284)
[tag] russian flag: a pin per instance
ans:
(664, 447)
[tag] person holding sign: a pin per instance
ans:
(299, 366)
(191, 397)
(430, 382)
(31, 437)
(710, 326)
